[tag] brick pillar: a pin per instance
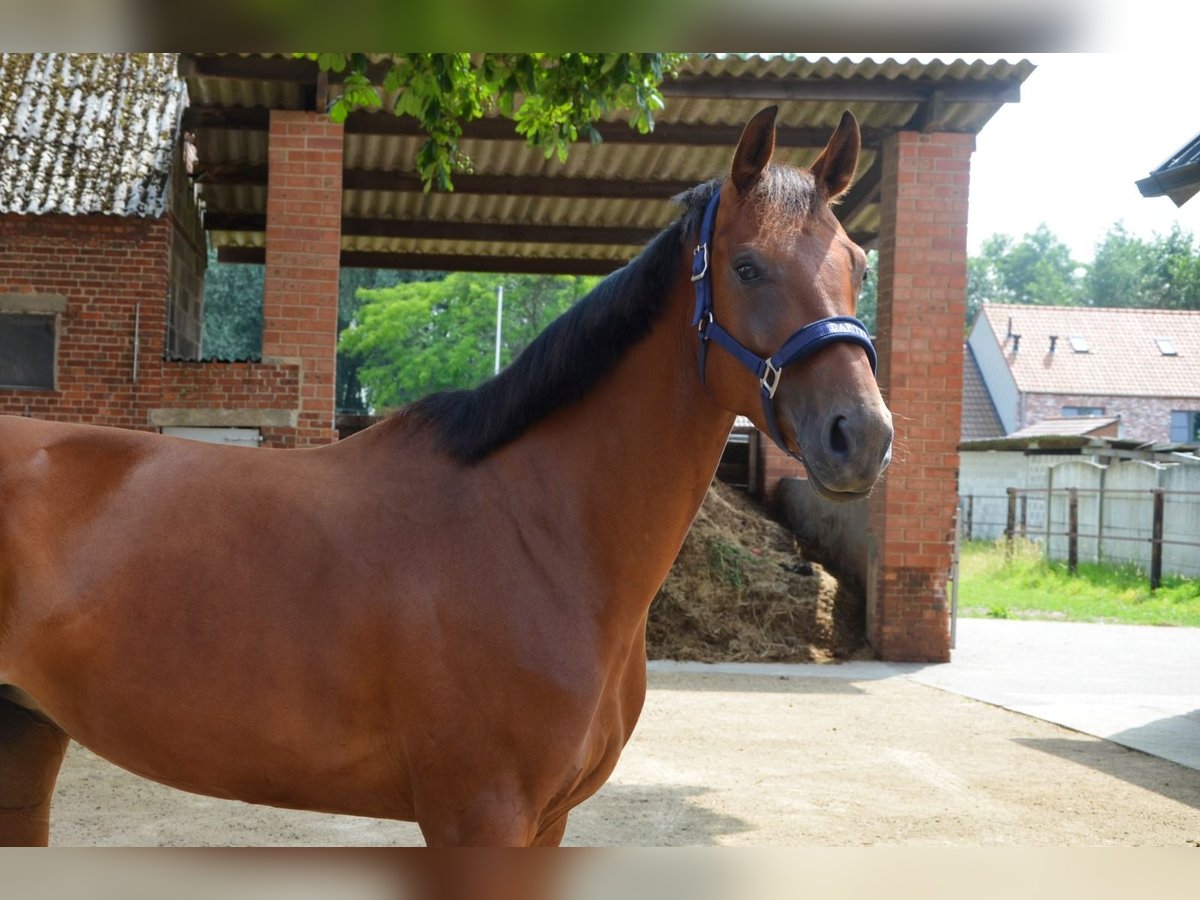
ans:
(774, 465)
(300, 297)
(922, 303)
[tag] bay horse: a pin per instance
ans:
(441, 619)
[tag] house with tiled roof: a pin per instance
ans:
(1133, 374)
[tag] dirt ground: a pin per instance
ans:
(743, 760)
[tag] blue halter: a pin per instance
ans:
(802, 344)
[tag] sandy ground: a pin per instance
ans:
(755, 761)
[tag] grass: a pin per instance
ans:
(728, 561)
(1030, 587)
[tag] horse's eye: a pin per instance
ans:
(746, 272)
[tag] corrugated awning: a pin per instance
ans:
(520, 212)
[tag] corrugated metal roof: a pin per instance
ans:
(1123, 356)
(88, 133)
(706, 106)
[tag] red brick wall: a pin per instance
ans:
(303, 240)
(775, 465)
(922, 297)
(1142, 418)
(105, 267)
(235, 386)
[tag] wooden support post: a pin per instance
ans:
(1156, 541)
(1010, 526)
(970, 517)
(1024, 515)
(1072, 530)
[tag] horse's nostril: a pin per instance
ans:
(838, 443)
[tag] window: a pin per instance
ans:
(1166, 346)
(28, 339)
(1071, 412)
(1185, 426)
(1078, 343)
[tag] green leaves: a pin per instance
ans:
(1038, 269)
(1163, 273)
(413, 339)
(553, 99)
(1158, 273)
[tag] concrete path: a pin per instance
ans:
(1138, 686)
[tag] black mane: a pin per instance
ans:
(571, 355)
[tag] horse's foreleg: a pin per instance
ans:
(31, 751)
(494, 829)
(551, 834)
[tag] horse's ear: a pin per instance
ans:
(754, 149)
(834, 168)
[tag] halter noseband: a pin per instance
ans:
(802, 344)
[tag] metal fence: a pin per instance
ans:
(1154, 528)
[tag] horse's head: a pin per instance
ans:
(777, 291)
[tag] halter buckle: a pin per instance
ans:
(702, 249)
(770, 379)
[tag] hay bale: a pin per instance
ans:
(741, 590)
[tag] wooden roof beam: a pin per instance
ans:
(465, 183)
(443, 262)
(866, 191)
(455, 231)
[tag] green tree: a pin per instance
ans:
(350, 397)
(553, 99)
(1161, 273)
(233, 310)
(413, 339)
(233, 315)
(1037, 269)
(868, 297)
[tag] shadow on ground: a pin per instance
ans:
(1170, 780)
(669, 810)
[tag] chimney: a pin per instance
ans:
(1016, 338)
(1053, 341)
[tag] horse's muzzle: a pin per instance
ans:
(850, 451)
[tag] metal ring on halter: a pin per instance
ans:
(770, 379)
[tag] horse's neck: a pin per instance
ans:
(630, 464)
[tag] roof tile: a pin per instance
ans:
(1123, 356)
(85, 133)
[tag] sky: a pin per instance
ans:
(1088, 125)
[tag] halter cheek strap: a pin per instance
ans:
(801, 345)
